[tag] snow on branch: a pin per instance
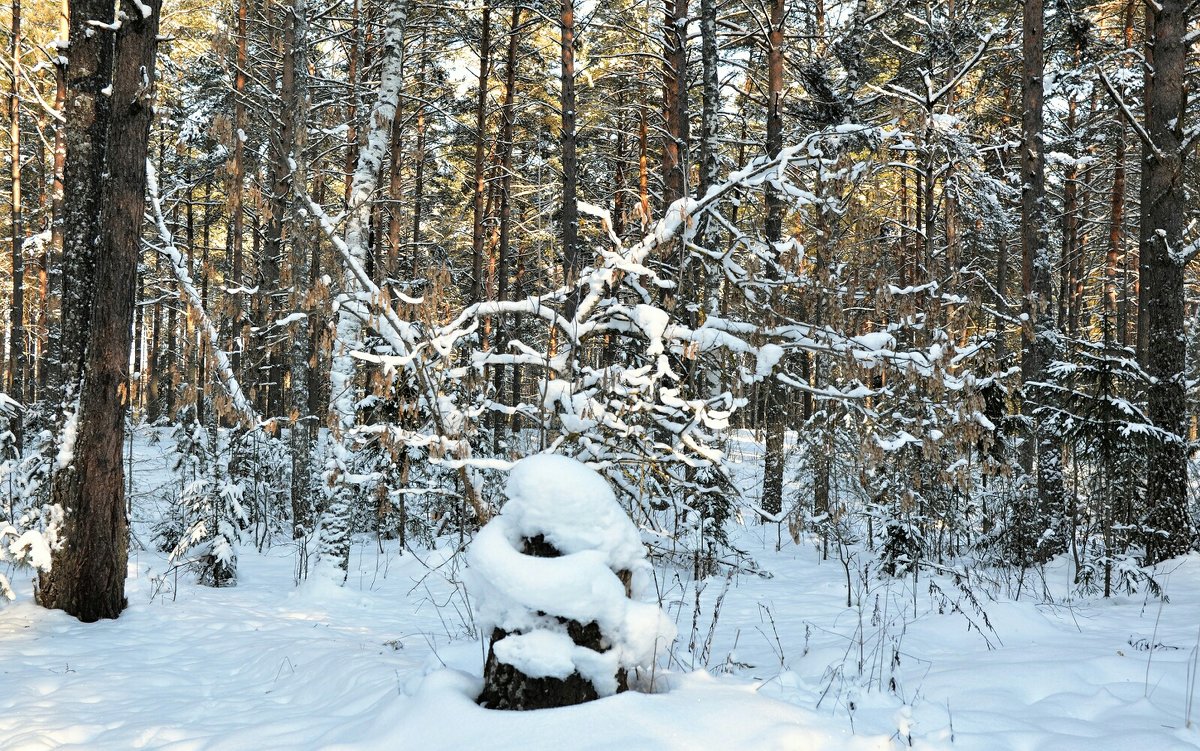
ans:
(248, 415)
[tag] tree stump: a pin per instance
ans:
(553, 575)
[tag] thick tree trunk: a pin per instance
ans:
(88, 575)
(1038, 281)
(675, 135)
(84, 136)
(87, 113)
(1164, 208)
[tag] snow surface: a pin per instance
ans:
(391, 661)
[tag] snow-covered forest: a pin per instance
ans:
(725, 374)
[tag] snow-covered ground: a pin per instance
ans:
(390, 662)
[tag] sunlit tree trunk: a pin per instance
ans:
(479, 171)
(570, 166)
(88, 575)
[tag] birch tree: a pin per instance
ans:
(354, 311)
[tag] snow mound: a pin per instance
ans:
(698, 712)
(573, 507)
(530, 598)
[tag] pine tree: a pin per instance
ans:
(88, 575)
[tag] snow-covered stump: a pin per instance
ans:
(553, 577)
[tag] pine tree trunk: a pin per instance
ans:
(87, 113)
(396, 198)
(201, 382)
(16, 342)
(711, 101)
(644, 167)
(52, 383)
(1070, 225)
(710, 164)
(274, 258)
(1116, 258)
(418, 197)
(503, 243)
(774, 458)
(84, 138)
(570, 206)
(485, 53)
(295, 105)
(1040, 336)
(352, 75)
(1164, 209)
(88, 575)
(675, 136)
(675, 168)
(237, 179)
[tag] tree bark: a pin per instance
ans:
(710, 160)
(675, 136)
(1163, 210)
(16, 342)
(503, 243)
(88, 575)
(303, 424)
(1115, 305)
(1038, 282)
(479, 172)
(335, 528)
(570, 165)
(87, 113)
(418, 198)
(237, 179)
(51, 382)
(775, 400)
(352, 59)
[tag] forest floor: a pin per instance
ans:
(391, 660)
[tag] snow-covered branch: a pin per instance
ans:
(246, 412)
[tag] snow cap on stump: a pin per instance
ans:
(550, 576)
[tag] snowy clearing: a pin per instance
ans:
(389, 661)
